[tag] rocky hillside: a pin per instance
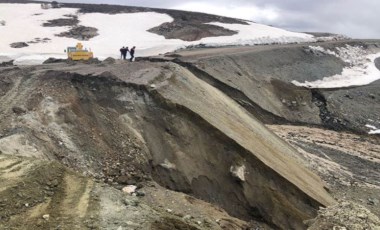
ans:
(197, 139)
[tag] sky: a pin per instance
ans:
(354, 18)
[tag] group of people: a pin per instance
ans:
(124, 51)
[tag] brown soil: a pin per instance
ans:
(187, 137)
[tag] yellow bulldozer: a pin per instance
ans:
(78, 53)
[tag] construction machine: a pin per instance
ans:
(78, 53)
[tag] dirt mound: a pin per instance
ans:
(44, 195)
(345, 215)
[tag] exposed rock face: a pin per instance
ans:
(73, 21)
(19, 45)
(190, 31)
(53, 60)
(189, 138)
(377, 63)
(82, 33)
(7, 63)
(259, 78)
(186, 122)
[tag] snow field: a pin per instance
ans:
(114, 31)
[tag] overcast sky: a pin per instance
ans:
(354, 18)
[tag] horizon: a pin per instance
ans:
(353, 19)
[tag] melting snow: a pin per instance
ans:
(374, 129)
(361, 69)
(114, 31)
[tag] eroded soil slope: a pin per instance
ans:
(197, 125)
(156, 122)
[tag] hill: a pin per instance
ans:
(276, 136)
(37, 34)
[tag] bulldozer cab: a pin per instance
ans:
(78, 53)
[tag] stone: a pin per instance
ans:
(169, 210)
(132, 202)
(362, 215)
(18, 110)
(168, 165)
(46, 217)
(238, 171)
(140, 193)
(187, 217)
(109, 60)
(129, 189)
(372, 201)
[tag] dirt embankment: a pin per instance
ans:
(259, 78)
(151, 124)
(97, 126)
(181, 124)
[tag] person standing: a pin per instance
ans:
(132, 53)
(123, 52)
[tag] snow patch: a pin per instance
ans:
(361, 68)
(374, 129)
(255, 34)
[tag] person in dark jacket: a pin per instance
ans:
(123, 52)
(132, 53)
